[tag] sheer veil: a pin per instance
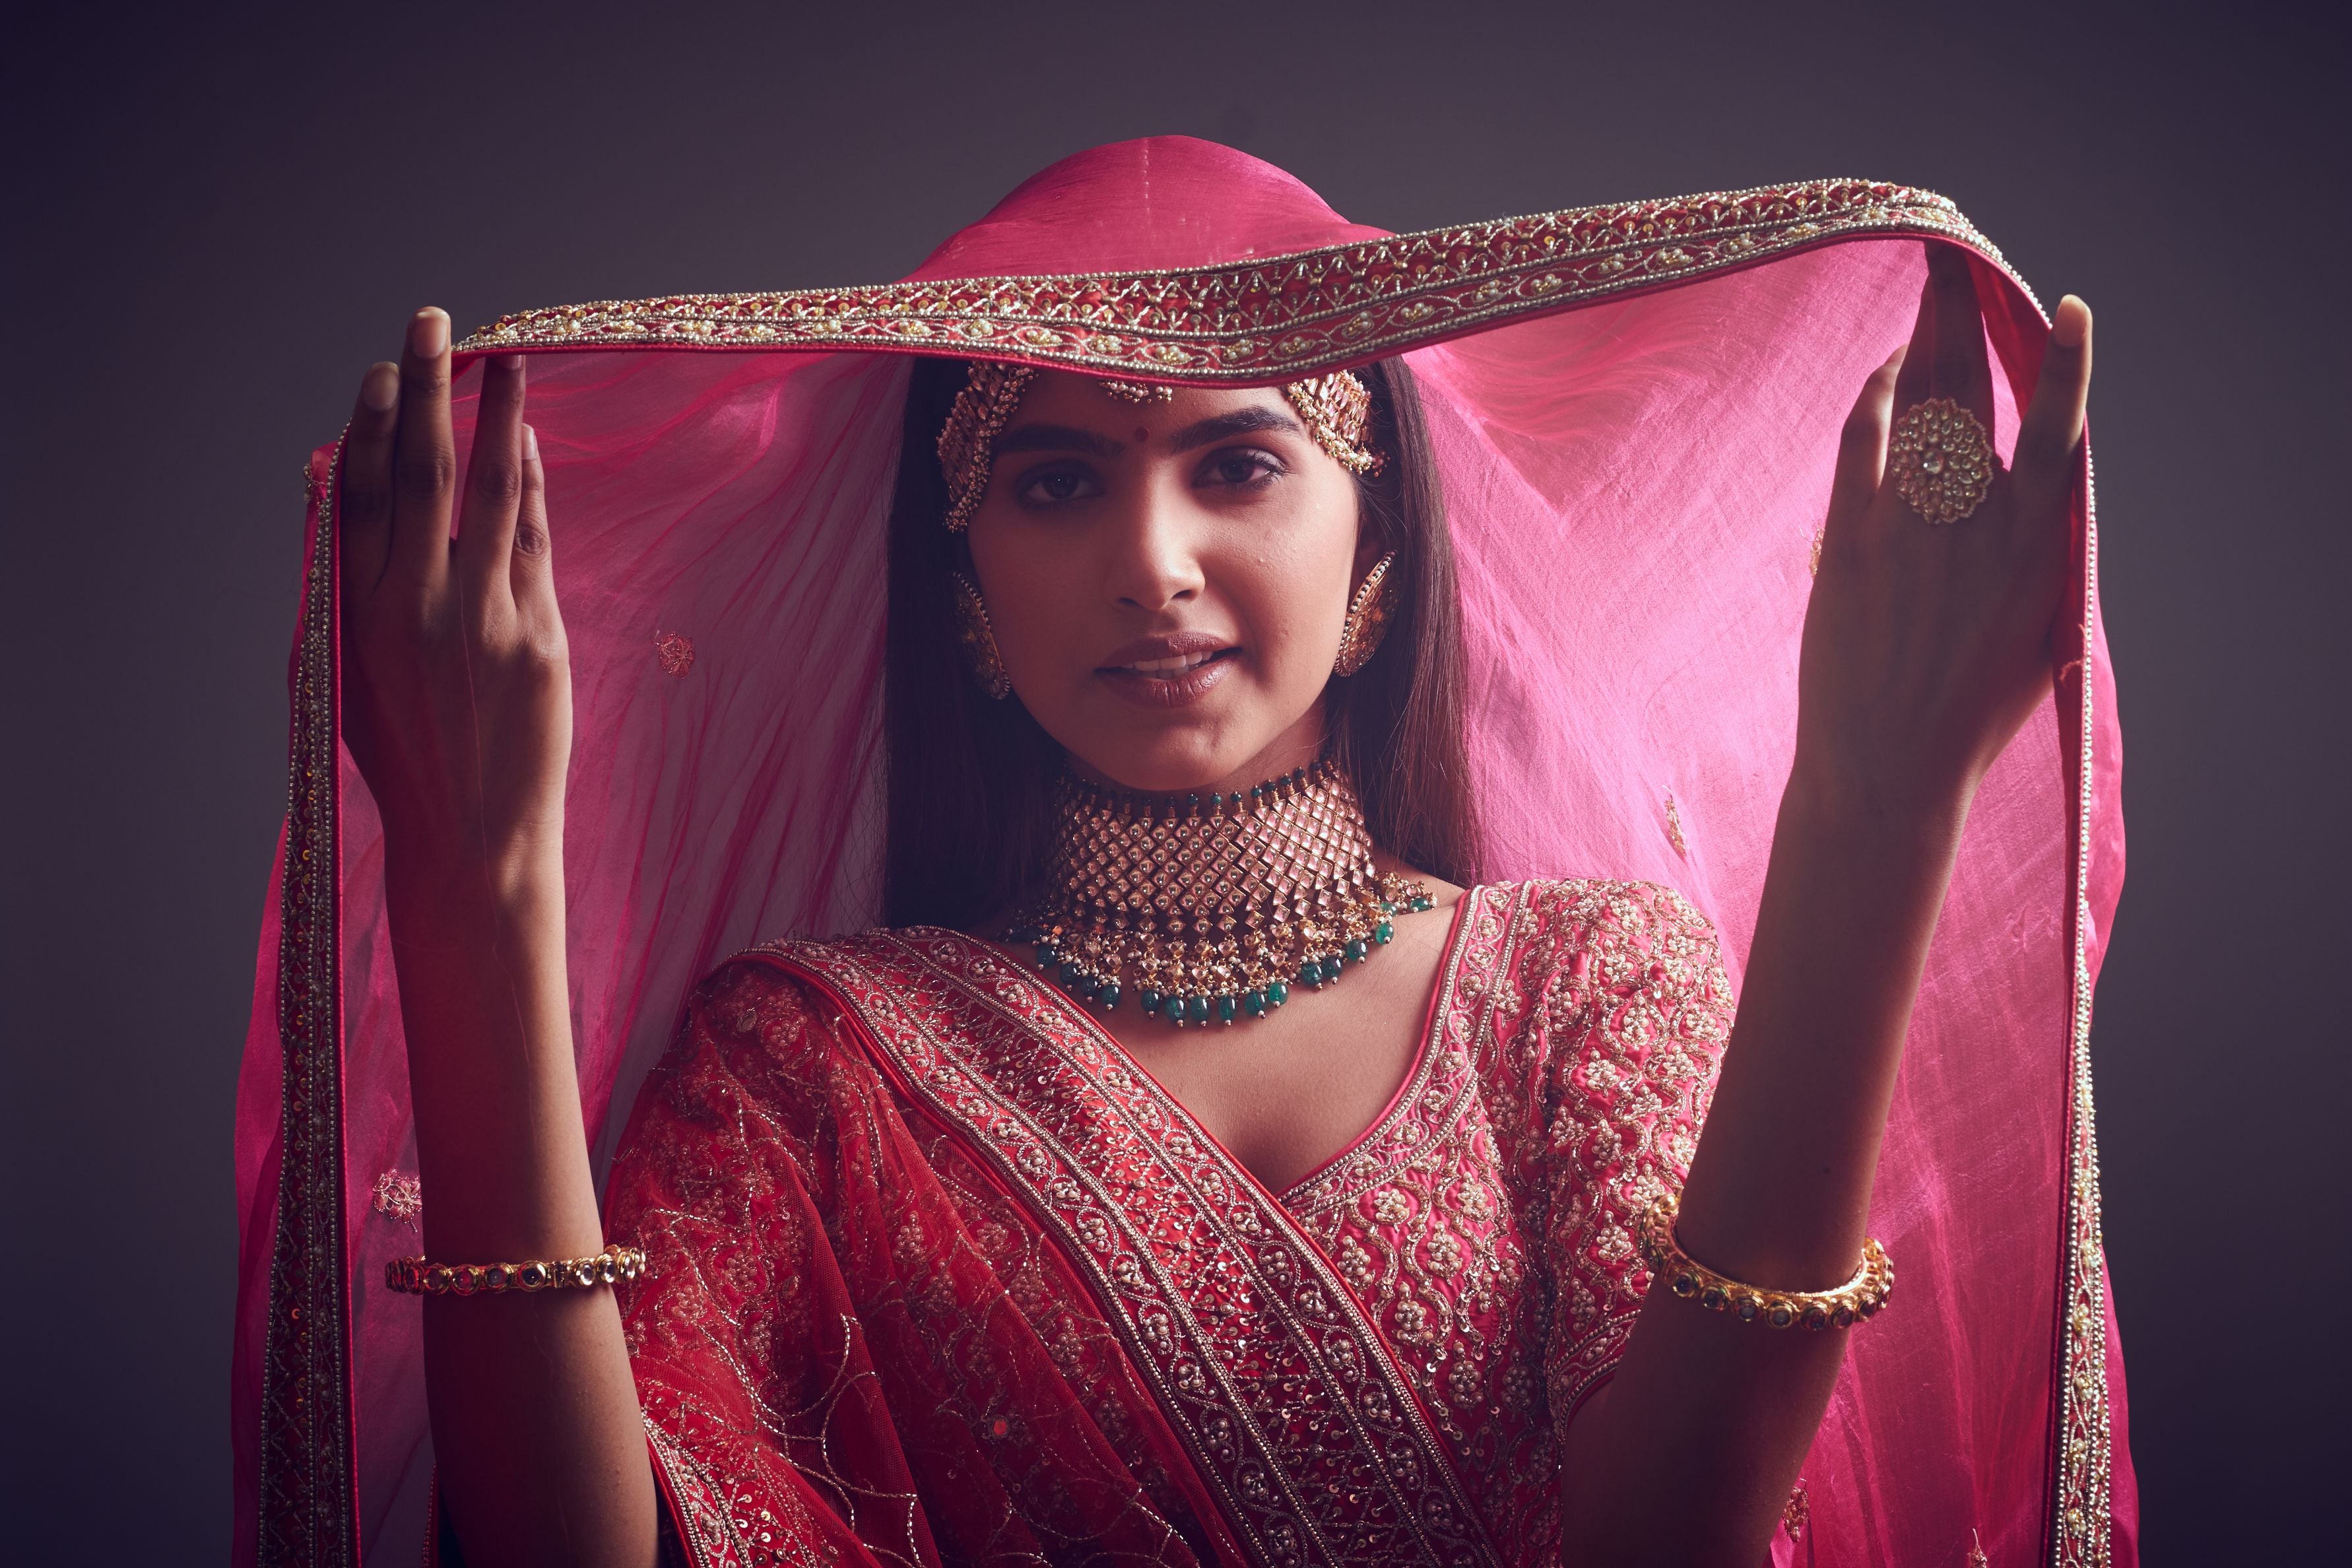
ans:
(1634, 410)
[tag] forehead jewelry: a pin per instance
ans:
(1337, 409)
(1942, 462)
(1210, 909)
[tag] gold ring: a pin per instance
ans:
(1942, 461)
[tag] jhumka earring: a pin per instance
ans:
(978, 639)
(1368, 615)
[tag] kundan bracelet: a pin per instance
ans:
(421, 1276)
(1859, 1298)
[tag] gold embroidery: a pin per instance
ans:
(1273, 318)
(1282, 1389)
(307, 1512)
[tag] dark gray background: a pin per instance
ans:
(217, 219)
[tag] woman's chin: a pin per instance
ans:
(1180, 754)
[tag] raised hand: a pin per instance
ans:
(1927, 645)
(457, 681)
(458, 701)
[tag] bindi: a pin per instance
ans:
(1141, 435)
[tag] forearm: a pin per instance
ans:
(539, 1445)
(1689, 1454)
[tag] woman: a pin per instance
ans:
(957, 1249)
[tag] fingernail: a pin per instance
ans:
(529, 445)
(380, 387)
(2066, 326)
(429, 334)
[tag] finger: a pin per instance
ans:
(1962, 371)
(425, 456)
(366, 478)
(2053, 426)
(1915, 384)
(531, 565)
(485, 527)
(1862, 444)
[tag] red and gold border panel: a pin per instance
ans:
(307, 1475)
(1290, 1403)
(1271, 318)
(2081, 1524)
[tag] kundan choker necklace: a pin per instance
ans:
(1208, 910)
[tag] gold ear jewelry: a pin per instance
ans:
(1942, 462)
(1368, 615)
(978, 639)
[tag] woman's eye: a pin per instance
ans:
(1057, 486)
(1247, 468)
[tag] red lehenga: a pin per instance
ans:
(946, 1272)
(939, 1274)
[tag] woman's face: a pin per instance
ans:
(1166, 580)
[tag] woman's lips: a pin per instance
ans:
(1167, 672)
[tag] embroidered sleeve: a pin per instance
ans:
(1628, 985)
(771, 1444)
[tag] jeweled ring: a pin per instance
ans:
(1942, 461)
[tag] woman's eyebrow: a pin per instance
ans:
(1239, 422)
(1055, 438)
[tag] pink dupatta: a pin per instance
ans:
(1634, 411)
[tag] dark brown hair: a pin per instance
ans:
(968, 829)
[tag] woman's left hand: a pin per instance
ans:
(1926, 645)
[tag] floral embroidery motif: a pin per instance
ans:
(675, 652)
(1797, 1512)
(400, 1195)
(1674, 827)
(1571, 1048)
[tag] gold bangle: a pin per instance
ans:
(421, 1276)
(1859, 1298)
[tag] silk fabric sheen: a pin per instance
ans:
(1634, 414)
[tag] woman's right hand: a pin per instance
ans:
(457, 681)
(457, 705)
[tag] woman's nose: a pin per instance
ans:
(1152, 553)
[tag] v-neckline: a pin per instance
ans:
(1408, 1085)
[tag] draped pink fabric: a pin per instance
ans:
(1635, 413)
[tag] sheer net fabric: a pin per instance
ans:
(1634, 463)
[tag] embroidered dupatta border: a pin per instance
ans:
(1275, 317)
(308, 1471)
(1318, 1393)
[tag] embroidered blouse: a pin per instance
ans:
(939, 1274)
